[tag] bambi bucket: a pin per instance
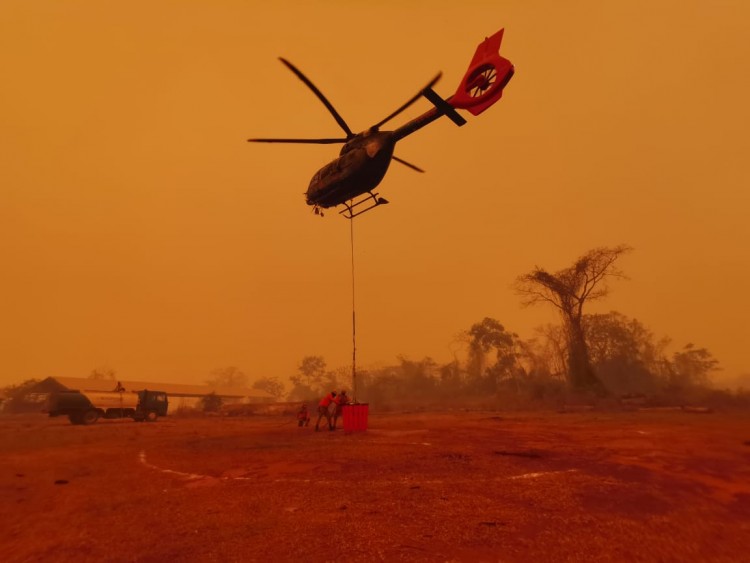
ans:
(355, 417)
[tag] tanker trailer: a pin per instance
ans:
(86, 407)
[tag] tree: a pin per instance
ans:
(484, 337)
(406, 384)
(568, 290)
(18, 398)
(419, 377)
(271, 385)
(312, 368)
(338, 378)
(211, 402)
(691, 367)
(309, 379)
(103, 372)
(451, 379)
(227, 377)
(624, 353)
(551, 351)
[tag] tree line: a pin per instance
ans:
(594, 355)
(586, 355)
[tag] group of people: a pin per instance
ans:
(331, 407)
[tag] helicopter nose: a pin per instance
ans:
(309, 196)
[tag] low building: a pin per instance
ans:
(179, 395)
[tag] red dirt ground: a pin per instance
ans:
(460, 486)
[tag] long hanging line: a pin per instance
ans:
(354, 319)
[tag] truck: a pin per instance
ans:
(86, 407)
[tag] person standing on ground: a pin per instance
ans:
(323, 405)
(339, 403)
(303, 416)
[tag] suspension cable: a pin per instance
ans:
(354, 319)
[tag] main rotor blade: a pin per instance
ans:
(321, 97)
(410, 102)
(409, 164)
(307, 141)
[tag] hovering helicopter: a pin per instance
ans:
(364, 159)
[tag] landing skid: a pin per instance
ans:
(371, 201)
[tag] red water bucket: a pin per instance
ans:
(355, 417)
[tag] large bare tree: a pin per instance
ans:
(569, 290)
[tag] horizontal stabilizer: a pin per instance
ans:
(444, 107)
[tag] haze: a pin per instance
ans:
(140, 231)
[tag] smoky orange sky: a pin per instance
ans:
(140, 231)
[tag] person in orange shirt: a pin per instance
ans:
(339, 402)
(323, 405)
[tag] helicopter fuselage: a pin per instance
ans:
(359, 168)
(364, 159)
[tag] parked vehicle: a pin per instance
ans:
(86, 407)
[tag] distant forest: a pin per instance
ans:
(585, 358)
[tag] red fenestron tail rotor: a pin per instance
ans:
(487, 75)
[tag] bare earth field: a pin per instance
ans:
(459, 486)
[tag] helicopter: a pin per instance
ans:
(350, 179)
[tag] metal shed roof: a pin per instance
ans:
(175, 389)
